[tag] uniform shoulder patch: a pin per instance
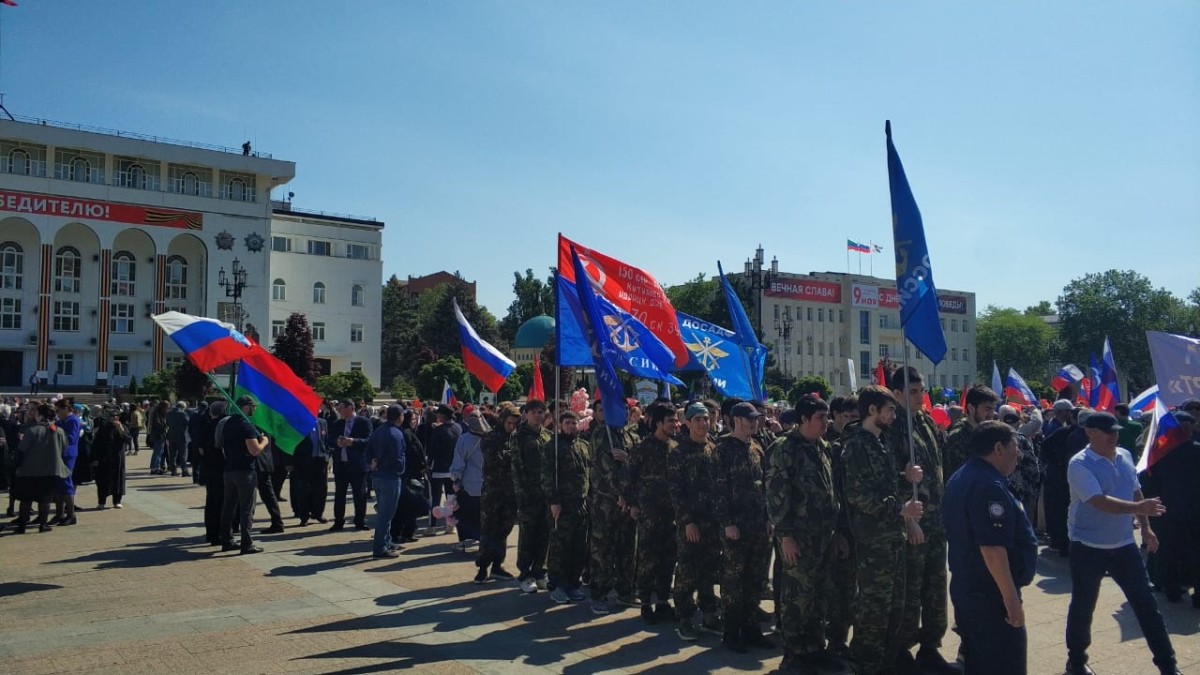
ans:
(996, 510)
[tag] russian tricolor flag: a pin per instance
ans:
(1167, 436)
(1067, 376)
(1145, 401)
(1016, 388)
(485, 362)
(1109, 390)
(207, 343)
(448, 397)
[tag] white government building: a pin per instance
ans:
(99, 229)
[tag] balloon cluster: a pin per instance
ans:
(446, 510)
(580, 405)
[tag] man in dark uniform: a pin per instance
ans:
(740, 505)
(565, 485)
(528, 452)
(612, 530)
(650, 506)
(691, 474)
(1057, 450)
(347, 442)
(310, 475)
(993, 553)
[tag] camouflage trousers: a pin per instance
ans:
(842, 592)
(533, 540)
(611, 545)
(926, 606)
(655, 555)
(879, 608)
(743, 565)
(696, 572)
(568, 554)
(804, 595)
(498, 518)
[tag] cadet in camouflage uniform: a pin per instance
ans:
(528, 446)
(650, 506)
(741, 510)
(877, 521)
(498, 501)
(926, 601)
(612, 530)
(843, 413)
(1026, 481)
(803, 508)
(691, 475)
(565, 485)
(981, 407)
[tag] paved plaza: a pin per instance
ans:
(135, 591)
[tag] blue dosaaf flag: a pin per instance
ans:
(715, 350)
(1176, 361)
(914, 275)
(752, 351)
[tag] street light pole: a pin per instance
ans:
(783, 330)
(233, 285)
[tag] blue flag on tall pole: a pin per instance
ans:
(612, 392)
(914, 275)
(753, 352)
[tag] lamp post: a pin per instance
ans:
(783, 330)
(233, 284)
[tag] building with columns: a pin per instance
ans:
(100, 229)
(820, 322)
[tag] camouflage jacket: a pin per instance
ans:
(691, 473)
(871, 502)
(1026, 481)
(608, 477)
(565, 474)
(927, 452)
(740, 498)
(647, 488)
(958, 447)
(528, 448)
(498, 485)
(801, 502)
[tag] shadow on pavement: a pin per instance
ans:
(166, 552)
(12, 588)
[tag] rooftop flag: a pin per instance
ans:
(752, 351)
(857, 247)
(914, 274)
(1066, 376)
(482, 360)
(877, 248)
(287, 408)
(207, 343)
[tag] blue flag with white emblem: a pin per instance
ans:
(604, 353)
(715, 350)
(914, 275)
(752, 351)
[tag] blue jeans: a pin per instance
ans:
(1124, 565)
(156, 457)
(387, 496)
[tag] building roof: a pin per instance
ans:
(534, 333)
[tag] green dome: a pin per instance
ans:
(534, 333)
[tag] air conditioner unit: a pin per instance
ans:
(33, 339)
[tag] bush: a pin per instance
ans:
(350, 384)
(810, 384)
(159, 384)
(403, 388)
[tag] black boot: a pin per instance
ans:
(752, 636)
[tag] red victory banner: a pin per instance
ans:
(67, 207)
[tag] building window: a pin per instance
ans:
(276, 329)
(177, 278)
(964, 325)
(12, 265)
(943, 322)
(121, 320)
(124, 274)
(831, 352)
(355, 366)
(358, 295)
(281, 244)
(78, 165)
(319, 293)
(356, 332)
(237, 187)
(137, 173)
(278, 290)
(66, 316)
(821, 314)
(964, 354)
(189, 180)
(809, 313)
(10, 313)
(19, 163)
(173, 361)
(864, 327)
(821, 349)
(358, 251)
(64, 364)
(954, 353)
(883, 351)
(120, 366)
(864, 364)
(810, 343)
(954, 383)
(316, 247)
(66, 270)
(942, 377)
(318, 330)
(22, 159)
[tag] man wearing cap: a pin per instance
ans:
(993, 553)
(385, 454)
(528, 446)
(650, 506)
(1104, 494)
(803, 509)
(981, 407)
(691, 474)
(1055, 455)
(241, 443)
(347, 442)
(740, 508)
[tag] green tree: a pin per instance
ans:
(437, 329)
(511, 391)
(294, 346)
(133, 386)
(1122, 306)
(1043, 308)
(1013, 340)
(403, 388)
(776, 377)
(400, 350)
(431, 375)
(534, 297)
(776, 393)
(810, 384)
(190, 383)
(346, 384)
(160, 384)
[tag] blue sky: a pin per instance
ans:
(1043, 141)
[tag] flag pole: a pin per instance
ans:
(227, 396)
(871, 243)
(908, 408)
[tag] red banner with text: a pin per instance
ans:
(87, 209)
(805, 290)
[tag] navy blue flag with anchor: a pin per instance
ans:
(914, 275)
(715, 349)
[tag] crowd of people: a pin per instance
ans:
(861, 516)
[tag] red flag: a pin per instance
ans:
(928, 403)
(963, 402)
(10, 3)
(880, 374)
(537, 392)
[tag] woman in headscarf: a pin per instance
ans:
(108, 459)
(40, 467)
